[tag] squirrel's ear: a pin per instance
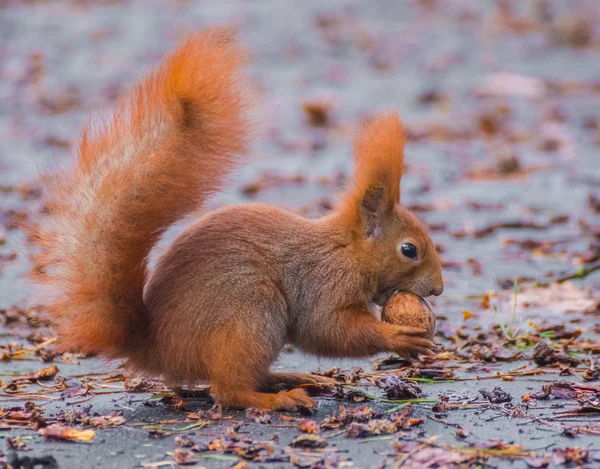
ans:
(378, 164)
(372, 208)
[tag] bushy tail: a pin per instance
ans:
(169, 145)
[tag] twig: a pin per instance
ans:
(583, 272)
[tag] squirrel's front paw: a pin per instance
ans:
(409, 342)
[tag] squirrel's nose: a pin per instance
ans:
(437, 291)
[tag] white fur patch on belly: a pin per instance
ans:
(375, 310)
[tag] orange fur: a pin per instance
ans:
(244, 280)
(378, 161)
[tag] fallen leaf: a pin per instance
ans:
(318, 112)
(373, 427)
(308, 426)
(111, 420)
(544, 355)
(174, 402)
(16, 443)
(496, 395)
(570, 455)
(58, 432)
(258, 416)
(399, 389)
(309, 441)
(183, 456)
(45, 373)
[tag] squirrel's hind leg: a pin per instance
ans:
(278, 381)
(240, 356)
(237, 381)
(238, 398)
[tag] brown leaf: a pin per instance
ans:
(258, 416)
(58, 432)
(570, 455)
(373, 427)
(111, 420)
(16, 443)
(184, 441)
(357, 414)
(183, 456)
(347, 376)
(544, 355)
(45, 373)
(593, 372)
(564, 390)
(174, 402)
(215, 413)
(398, 389)
(496, 396)
(137, 385)
(309, 441)
(318, 112)
(308, 426)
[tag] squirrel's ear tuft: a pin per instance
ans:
(378, 165)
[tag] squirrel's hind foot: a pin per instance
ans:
(284, 400)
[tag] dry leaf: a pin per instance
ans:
(44, 373)
(111, 420)
(308, 426)
(58, 432)
(309, 441)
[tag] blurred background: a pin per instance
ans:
(500, 101)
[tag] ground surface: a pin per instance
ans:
(501, 109)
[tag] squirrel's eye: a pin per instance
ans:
(409, 250)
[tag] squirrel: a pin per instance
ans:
(242, 281)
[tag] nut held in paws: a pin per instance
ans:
(406, 309)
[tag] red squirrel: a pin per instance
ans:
(241, 282)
